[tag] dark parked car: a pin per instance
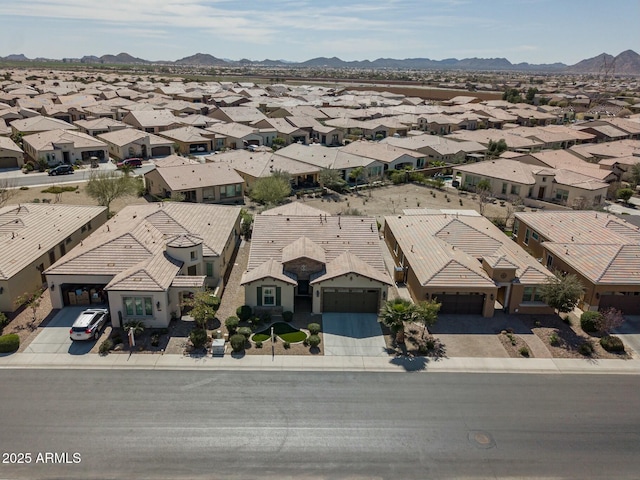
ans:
(130, 162)
(61, 170)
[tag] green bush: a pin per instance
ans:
(554, 339)
(198, 337)
(237, 342)
(430, 344)
(524, 351)
(245, 331)
(9, 343)
(612, 344)
(287, 316)
(4, 321)
(314, 328)
(232, 324)
(313, 340)
(244, 312)
(590, 321)
(258, 344)
(286, 345)
(586, 348)
(106, 346)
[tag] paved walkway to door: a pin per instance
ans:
(352, 334)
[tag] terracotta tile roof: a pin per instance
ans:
(269, 269)
(152, 275)
(139, 232)
(188, 281)
(199, 175)
(348, 263)
(296, 209)
(335, 235)
(28, 231)
(303, 247)
(435, 243)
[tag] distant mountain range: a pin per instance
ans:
(626, 63)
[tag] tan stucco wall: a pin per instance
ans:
(286, 293)
(160, 318)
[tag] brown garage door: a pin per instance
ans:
(467, 304)
(350, 300)
(160, 151)
(8, 162)
(628, 303)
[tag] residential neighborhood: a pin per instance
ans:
(313, 210)
(291, 240)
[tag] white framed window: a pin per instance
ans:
(268, 296)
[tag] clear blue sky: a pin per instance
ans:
(534, 31)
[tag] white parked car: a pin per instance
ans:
(89, 324)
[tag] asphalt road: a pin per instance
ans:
(186, 424)
(19, 179)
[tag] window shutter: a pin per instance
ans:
(259, 296)
(278, 296)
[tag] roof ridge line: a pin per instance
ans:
(605, 269)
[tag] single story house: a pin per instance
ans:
(147, 260)
(130, 142)
(463, 261)
(601, 249)
(318, 262)
(511, 178)
(64, 146)
(198, 182)
(190, 139)
(152, 121)
(33, 237)
(11, 155)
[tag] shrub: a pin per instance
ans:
(232, 324)
(612, 344)
(287, 316)
(198, 337)
(590, 321)
(258, 344)
(313, 340)
(586, 348)
(314, 328)
(554, 339)
(106, 346)
(244, 312)
(237, 342)
(137, 325)
(245, 332)
(524, 351)
(9, 343)
(117, 339)
(305, 342)
(286, 345)
(430, 344)
(155, 339)
(3, 322)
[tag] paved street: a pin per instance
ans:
(241, 425)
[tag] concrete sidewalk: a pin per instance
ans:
(321, 363)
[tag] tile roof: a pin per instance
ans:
(47, 140)
(335, 235)
(152, 275)
(139, 232)
(270, 268)
(297, 209)
(444, 250)
(347, 263)
(27, 231)
(199, 175)
(303, 247)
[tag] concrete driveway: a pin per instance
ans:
(54, 338)
(352, 334)
(629, 333)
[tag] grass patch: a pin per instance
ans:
(283, 330)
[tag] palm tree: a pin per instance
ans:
(395, 313)
(355, 174)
